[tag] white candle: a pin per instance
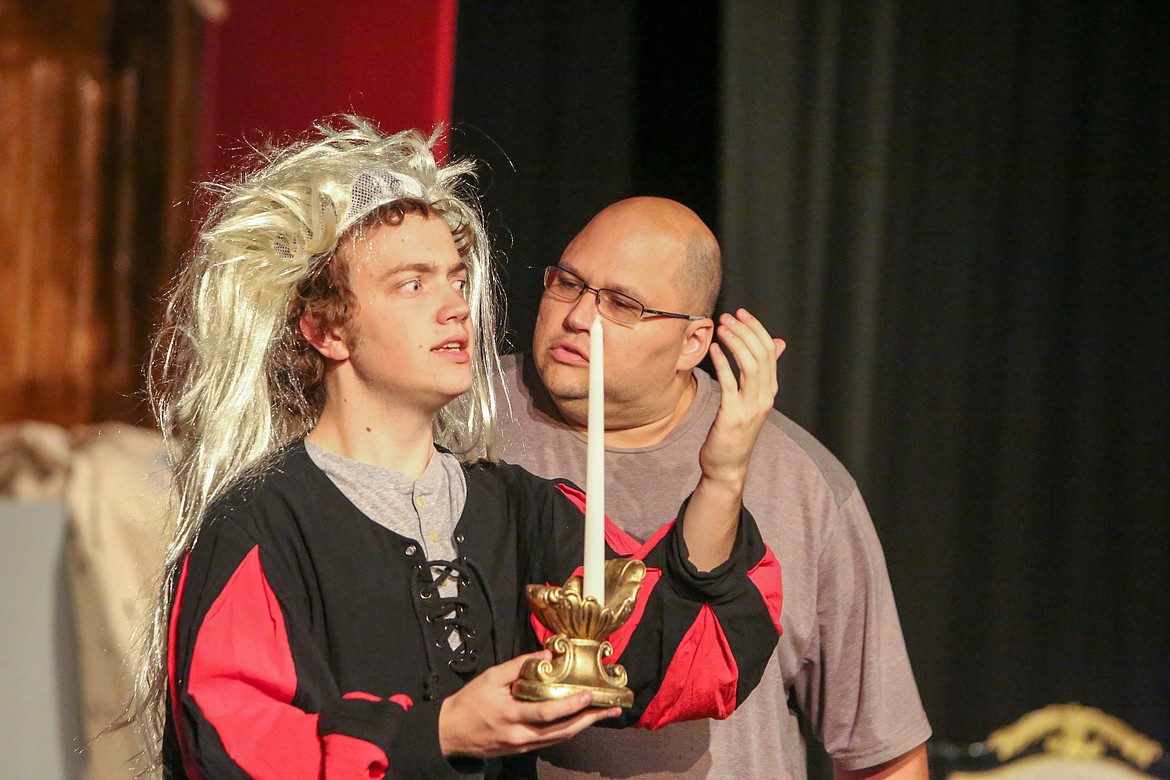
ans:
(595, 475)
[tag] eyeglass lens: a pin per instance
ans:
(614, 305)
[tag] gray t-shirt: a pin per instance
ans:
(841, 661)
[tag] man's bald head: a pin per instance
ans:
(679, 237)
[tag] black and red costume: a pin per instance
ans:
(307, 641)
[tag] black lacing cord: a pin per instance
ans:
(447, 613)
(487, 595)
(431, 681)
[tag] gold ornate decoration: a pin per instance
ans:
(1077, 732)
(580, 626)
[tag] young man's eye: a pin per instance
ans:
(413, 286)
(462, 285)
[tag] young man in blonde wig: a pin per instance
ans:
(343, 596)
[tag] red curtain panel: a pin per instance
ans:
(272, 68)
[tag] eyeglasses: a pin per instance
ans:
(567, 286)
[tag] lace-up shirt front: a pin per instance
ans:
(424, 509)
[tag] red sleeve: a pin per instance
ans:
(697, 642)
(704, 678)
(240, 683)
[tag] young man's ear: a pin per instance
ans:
(696, 342)
(328, 341)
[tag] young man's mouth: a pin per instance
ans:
(454, 350)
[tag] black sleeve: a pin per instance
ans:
(698, 642)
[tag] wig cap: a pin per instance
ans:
(376, 188)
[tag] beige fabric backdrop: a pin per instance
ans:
(114, 482)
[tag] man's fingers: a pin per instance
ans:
(734, 343)
(752, 331)
(754, 356)
(553, 710)
(723, 372)
(748, 339)
(552, 733)
(740, 339)
(504, 673)
(778, 347)
(757, 327)
(484, 719)
(579, 723)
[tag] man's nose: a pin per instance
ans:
(583, 310)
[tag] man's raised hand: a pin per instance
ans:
(712, 516)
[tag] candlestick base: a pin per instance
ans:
(580, 626)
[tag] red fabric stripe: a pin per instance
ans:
(702, 668)
(243, 679)
(362, 695)
(618, 540)
(623, 544)
(766, 577)
(348, 757)
(402, 700)
(172, 632)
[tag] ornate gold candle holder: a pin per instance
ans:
(580, 626)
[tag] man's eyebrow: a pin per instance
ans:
(618, 288)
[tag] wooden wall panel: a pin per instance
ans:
(97, 110)
(53, 89)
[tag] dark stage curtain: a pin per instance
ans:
(958, 214)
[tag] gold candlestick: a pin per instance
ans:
(578, 644)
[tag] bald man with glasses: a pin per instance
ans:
(651, 267)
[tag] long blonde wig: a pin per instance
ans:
(232, 379)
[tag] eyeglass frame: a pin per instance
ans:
(597, 291)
